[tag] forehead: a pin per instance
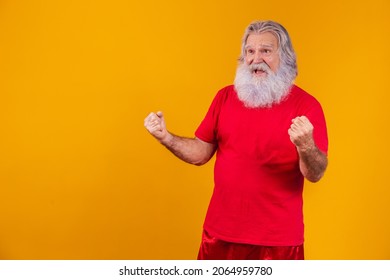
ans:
(262, 39)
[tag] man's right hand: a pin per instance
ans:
(155, 124)
(191, 150)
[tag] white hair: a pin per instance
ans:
(272, 89)
(286, 50)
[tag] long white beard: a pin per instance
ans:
(262, 91)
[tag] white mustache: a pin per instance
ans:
(260, 66)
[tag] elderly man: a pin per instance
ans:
(268, 135)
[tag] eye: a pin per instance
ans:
(266, 51)
(250, 51)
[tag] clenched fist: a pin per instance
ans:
(155, 124)
(301, 133)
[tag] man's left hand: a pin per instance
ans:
(301, 133)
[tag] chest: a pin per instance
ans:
(257, 134)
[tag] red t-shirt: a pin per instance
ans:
(257, 196)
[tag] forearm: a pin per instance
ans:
(190, 150)
(312, 163)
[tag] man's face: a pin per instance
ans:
(262, 48)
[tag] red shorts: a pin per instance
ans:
(215, 249)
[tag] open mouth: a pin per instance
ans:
(259, 69)
(259, 72)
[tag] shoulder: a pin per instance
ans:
(227, 90)
(300, 97)
(307, 105)
(224, 94)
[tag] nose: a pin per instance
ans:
(258, 57)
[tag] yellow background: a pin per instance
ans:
(80, 177)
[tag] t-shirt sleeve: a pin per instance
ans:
(317, 118)
(207, 130)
